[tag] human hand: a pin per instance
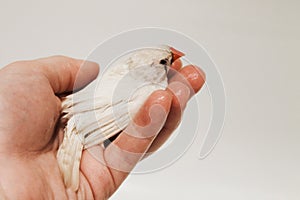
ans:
(30, 135)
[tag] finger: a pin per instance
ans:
(93, 168)
(66, 74)
(183, 86)
(125, 151)
(192, 76)
(176, 65)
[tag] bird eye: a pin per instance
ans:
(163, 62)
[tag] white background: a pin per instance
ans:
(256, 45)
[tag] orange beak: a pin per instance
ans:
(175, 54)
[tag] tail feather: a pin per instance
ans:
(69, 155)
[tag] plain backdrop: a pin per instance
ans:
(255, 44)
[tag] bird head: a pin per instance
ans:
(162, 56)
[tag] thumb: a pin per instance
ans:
(67, 74)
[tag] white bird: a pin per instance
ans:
(97, 113)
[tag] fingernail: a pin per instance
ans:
(200, 71)
(90, 66)
(158, 114)
(88, 71)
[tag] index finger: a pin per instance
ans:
(130, 146)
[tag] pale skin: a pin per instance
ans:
(30, 106)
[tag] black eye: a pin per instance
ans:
(163, 62)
